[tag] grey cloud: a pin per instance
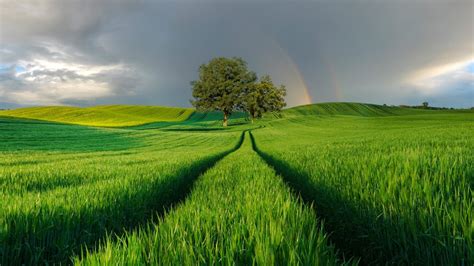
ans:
(342, 50)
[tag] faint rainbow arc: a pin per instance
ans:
(329, 67)
(306, 97)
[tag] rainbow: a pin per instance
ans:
(287, 70)
(304, 94)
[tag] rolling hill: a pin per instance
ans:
(353, 109)
(104, 116)
(148, 117)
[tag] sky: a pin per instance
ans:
(147, 52)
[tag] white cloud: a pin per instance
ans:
(58, 82)
(445, 78)
(54, 93)
(80, 69)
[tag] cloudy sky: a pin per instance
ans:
(146, 52)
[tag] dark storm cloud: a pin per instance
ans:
(147, 52)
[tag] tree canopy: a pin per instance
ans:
(263, 97)
(227, 85)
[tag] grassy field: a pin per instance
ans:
(392, 189)
(325, 184)
(239, 212)
(103, 116)
(59, 192)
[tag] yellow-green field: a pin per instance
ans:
(103, 116)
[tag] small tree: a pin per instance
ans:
(263, 97)
(425, 104)
(221, 84)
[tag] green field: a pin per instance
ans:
(102, 116)
(324, 184)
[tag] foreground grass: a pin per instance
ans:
(392, 186)
(55, 200)
(103, 116)
(391, 190)
(239, 212)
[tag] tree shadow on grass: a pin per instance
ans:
(52, 235)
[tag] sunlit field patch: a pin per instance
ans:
(103, 116)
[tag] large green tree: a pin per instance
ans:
(221, 85)
(263, 97)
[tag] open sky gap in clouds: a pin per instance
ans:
(146, 52)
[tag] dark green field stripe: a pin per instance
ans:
(52, 237)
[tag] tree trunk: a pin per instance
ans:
(226, 118)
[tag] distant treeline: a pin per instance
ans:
(431, 107)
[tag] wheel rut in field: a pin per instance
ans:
(362, 231)
(179, 192)
(301, 187)
(238, 212)
(58, 242)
